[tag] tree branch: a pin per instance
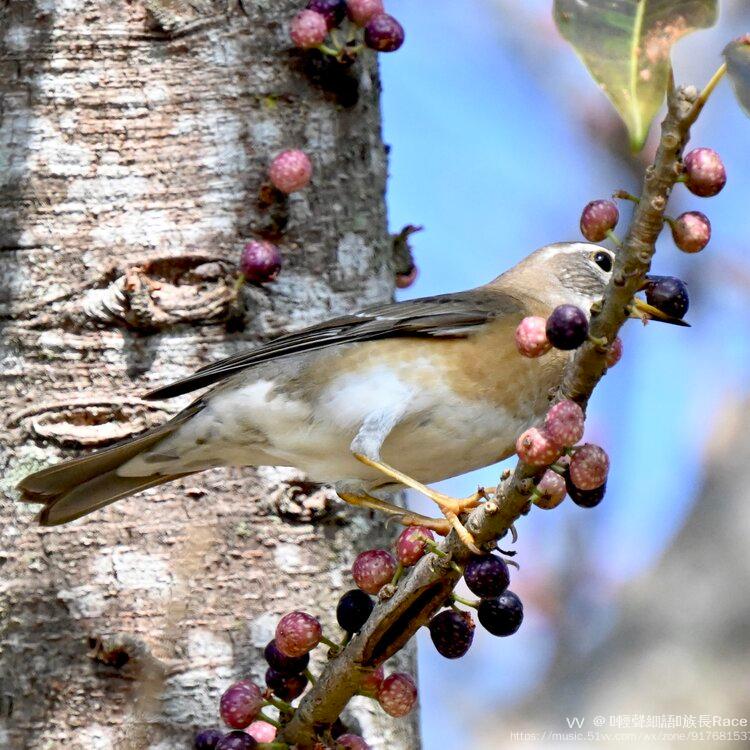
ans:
(425, 590)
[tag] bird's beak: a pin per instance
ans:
(646, 312)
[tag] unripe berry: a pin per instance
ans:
(567, 327)
(564, 423)
(668, 294)
(297, 633)
(452, 633)
(286, 686)
(705, 172)
(353, 610)
(373, 569)
(237, 741)
(361, 11)
(290, 170)
(207, 739)
(411, 544)
(589, 467)
(502, 616)
(486, 575)
(551, 490)
(614, 353)
(240, 704)
(372, 681)
(384, 33)
(586, 498)
(351, 742)
(262, 731)
(405, 280)
(308, 30)
(260, 261)
(535, 448)
(531, 337)
(332, 10)
(691, 231)
(397, 694)
(598, 218)
(283, 663)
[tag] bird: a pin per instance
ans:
(397, 395)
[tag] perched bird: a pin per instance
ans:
(396, 395)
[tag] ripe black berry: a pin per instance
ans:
(283, 663)
(237, 740)
(207, 739)
(486, 575)
(384, 33)
(598, 218)
(332, 10)
(668, 294)
(353, 609)
(501, 616)
(286, 686)
(260, 261)
(567, 327)
(452, 633)
(585, 498)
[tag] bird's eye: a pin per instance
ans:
(604, 261)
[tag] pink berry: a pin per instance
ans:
(372, 681)
(564, 423)
(308, 29)
(262, 731)
(536, 448)
(373, 569)
(260, 261)
(614, 353)
(589, 467)
(361, 11)
(397, 694)
(704, 172)
(410, 545)
(240, 704)
(405, 280)
(291, 170)
(351, 742)
(551, 490)
(598, 218)
(691, 231)
(297, 633)
(531, 337)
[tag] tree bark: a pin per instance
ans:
(134, 143)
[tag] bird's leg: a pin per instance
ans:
(403, 516)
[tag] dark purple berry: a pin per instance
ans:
(283, 663)
(501, 616)
(207, 739)
(691, 231)
(598, 218)
(585, 498)
(668, 294)
(704, 172)
(452, 633)
(353, 609)
(384, 33)
(286, 686)
(260, 261)
(486, 575)
(332, 10)
(567, 327)
(237, 741)
(240, 704)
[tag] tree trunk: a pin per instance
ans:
(134, 144)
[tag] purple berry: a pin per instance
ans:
(531, 337)
(501, 616)
(240, 704)
(598, 218)
(668, 294)
(207, 739)
(397, 694)
(297, 633)
(589, 467)
(332, 10)
(405, 280)
(486, 575)
(452, 633)
(704, 172)
(691, 231)
(384, 33)
(260, 261)
(237, 741)
(291, 170)
(585, 498)
(361, 11)
(551, 490)
(351, 742)
(373, 569)
(283, 663)
(353, 609)
(286, 686)
(567, 327)
(411, 544)
(564, 423)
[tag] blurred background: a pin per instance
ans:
(639, 607)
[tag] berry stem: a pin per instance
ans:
(465, 602)
(239, 283)
(280, 704)
(626, 196)
(328, 642)
(612, 236)
(347, 637)
(703, 97)
(310, 676)
(397, 575)
(326, 50)
(269, 720)
(272, 745)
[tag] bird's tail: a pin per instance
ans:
(74, 488)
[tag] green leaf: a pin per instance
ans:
(626, 45)
(737, 56)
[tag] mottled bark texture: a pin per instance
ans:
(134, 142)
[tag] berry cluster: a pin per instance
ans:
(341, 28)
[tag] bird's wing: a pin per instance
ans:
(447, 315)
